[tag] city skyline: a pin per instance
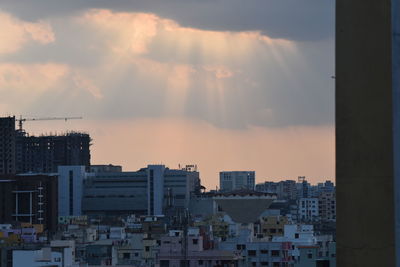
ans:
(159, 83)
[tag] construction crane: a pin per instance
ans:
(22, 120)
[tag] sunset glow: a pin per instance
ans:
(152, 90)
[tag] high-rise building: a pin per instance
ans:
(22, 153)
(233, 180)
(45, 153)
(7, 145)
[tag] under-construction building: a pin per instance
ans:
(46, 153)
(22, 153)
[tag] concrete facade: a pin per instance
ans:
(70, 190)
(234, 180)
(154, 190)
(33, 199)
(308, 209)
(367, 145)
(7, 145)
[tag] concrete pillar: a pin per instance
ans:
(367, 146)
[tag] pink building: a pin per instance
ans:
(175, 250)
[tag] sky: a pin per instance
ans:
(224, 84)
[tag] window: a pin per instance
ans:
(264, 251)
(275, 253)
(252, 253)
(309, 255)
(296, 235)
(126, 256)
(200, 262)
(264, 263)
(240, 247)
(195, 241)
(147, 248)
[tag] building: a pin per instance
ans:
(7, 145)
(233, 180)
(310, 256)
(191, 246)
(32, 198)
(60, 253)
(303, 188)
(272, 225)
(22, 153)
(287, 190)
(70, 190)
(105, 168)
(268, 253)
(154, 190)
(43, 154)
(6, 195)
(327, 206)
(308, 209)
(268, 187)
(243, 206)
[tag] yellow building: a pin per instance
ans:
(273, 225)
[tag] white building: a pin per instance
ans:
(232, 180)
(61, 253)
(155, 189)
(308, 209)
(70, 190)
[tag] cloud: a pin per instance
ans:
(124, 32)
(86, 84)
(220, 72)
(30, 77)
(289, 19)
(15, 33)
(153, 67)
(204, 82)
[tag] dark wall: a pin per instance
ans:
(49, 191)
(364, 134)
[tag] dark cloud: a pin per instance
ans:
(289, 19)
(272, 85)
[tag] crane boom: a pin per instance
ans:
(22, 120)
